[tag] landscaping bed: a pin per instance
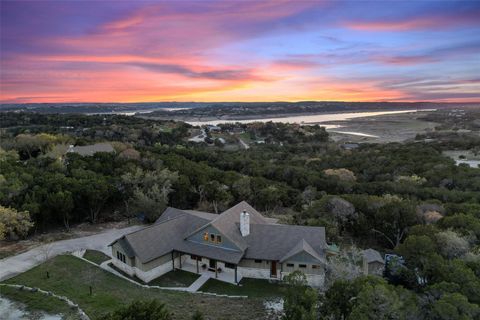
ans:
(96, 256)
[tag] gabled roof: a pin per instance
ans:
(228, 222)
(302, 246)
(162, 237)
(274, 241)
(371, 255)
(266, 241)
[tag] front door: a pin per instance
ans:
(273, 269)
(212, 264)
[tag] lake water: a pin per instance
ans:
(10, 310)
(308, 119)
(471, 163)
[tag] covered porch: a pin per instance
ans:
(213, 268)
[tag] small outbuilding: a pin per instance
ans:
(373, 262)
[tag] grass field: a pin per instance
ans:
(255, 288)
(71, 277)
(177, 278)
(95, 256)
(35, 301)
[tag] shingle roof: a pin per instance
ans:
(228, 223)
(371, 255)
(266, 241)
(162, 237)
(201, 214)
(208, 251)
(90, 150)
(302, 246)
(274, 241)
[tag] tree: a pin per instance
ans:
(394, 218)
(242, 189)
(453, 306)
(451, 245)
(443, 301)
(300, 299)
(46, 249)
(198, 316)
(33, 144)
(217, 194)
(379, 302)
(342, 174)
(140, 310)
(14, 223)
(146, 191)
(61, 204)
(346, 265)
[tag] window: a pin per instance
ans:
(314, 266)
(205, 236)
(291, 265)
(121, 257)
(229, 265)
(212, 237)
(219, 239)
(302, 265)
(258, 261)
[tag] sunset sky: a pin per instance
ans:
(132, 51)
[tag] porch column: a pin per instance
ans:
(173, 262)
(216, 272)
(236, 274)
(180, 260)
(196, 258)
(281, 270)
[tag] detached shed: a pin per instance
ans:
(373, 262)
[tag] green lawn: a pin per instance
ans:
(248, 287)
(177, 278)
(96, 256)
(35, 301)
(71, 277)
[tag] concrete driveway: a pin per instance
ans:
(11, 266)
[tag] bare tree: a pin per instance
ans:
(46, 255)
(347, 264)
(92, 277)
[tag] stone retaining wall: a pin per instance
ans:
(70, 303)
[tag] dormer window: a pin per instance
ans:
(212, 237)
(219, 239)
(205, 236)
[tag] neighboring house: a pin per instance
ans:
(238, 243)
(373, 262)
(213, 128)
(90, 150)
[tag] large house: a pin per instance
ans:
(240, 242)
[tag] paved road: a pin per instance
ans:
(11, 266)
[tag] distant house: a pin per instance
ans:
(350, 146)
(238, 243)
(213, 128)
(373, 262)
(91, 149)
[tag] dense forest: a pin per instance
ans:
(402, 198)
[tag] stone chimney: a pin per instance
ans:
(244, 223)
